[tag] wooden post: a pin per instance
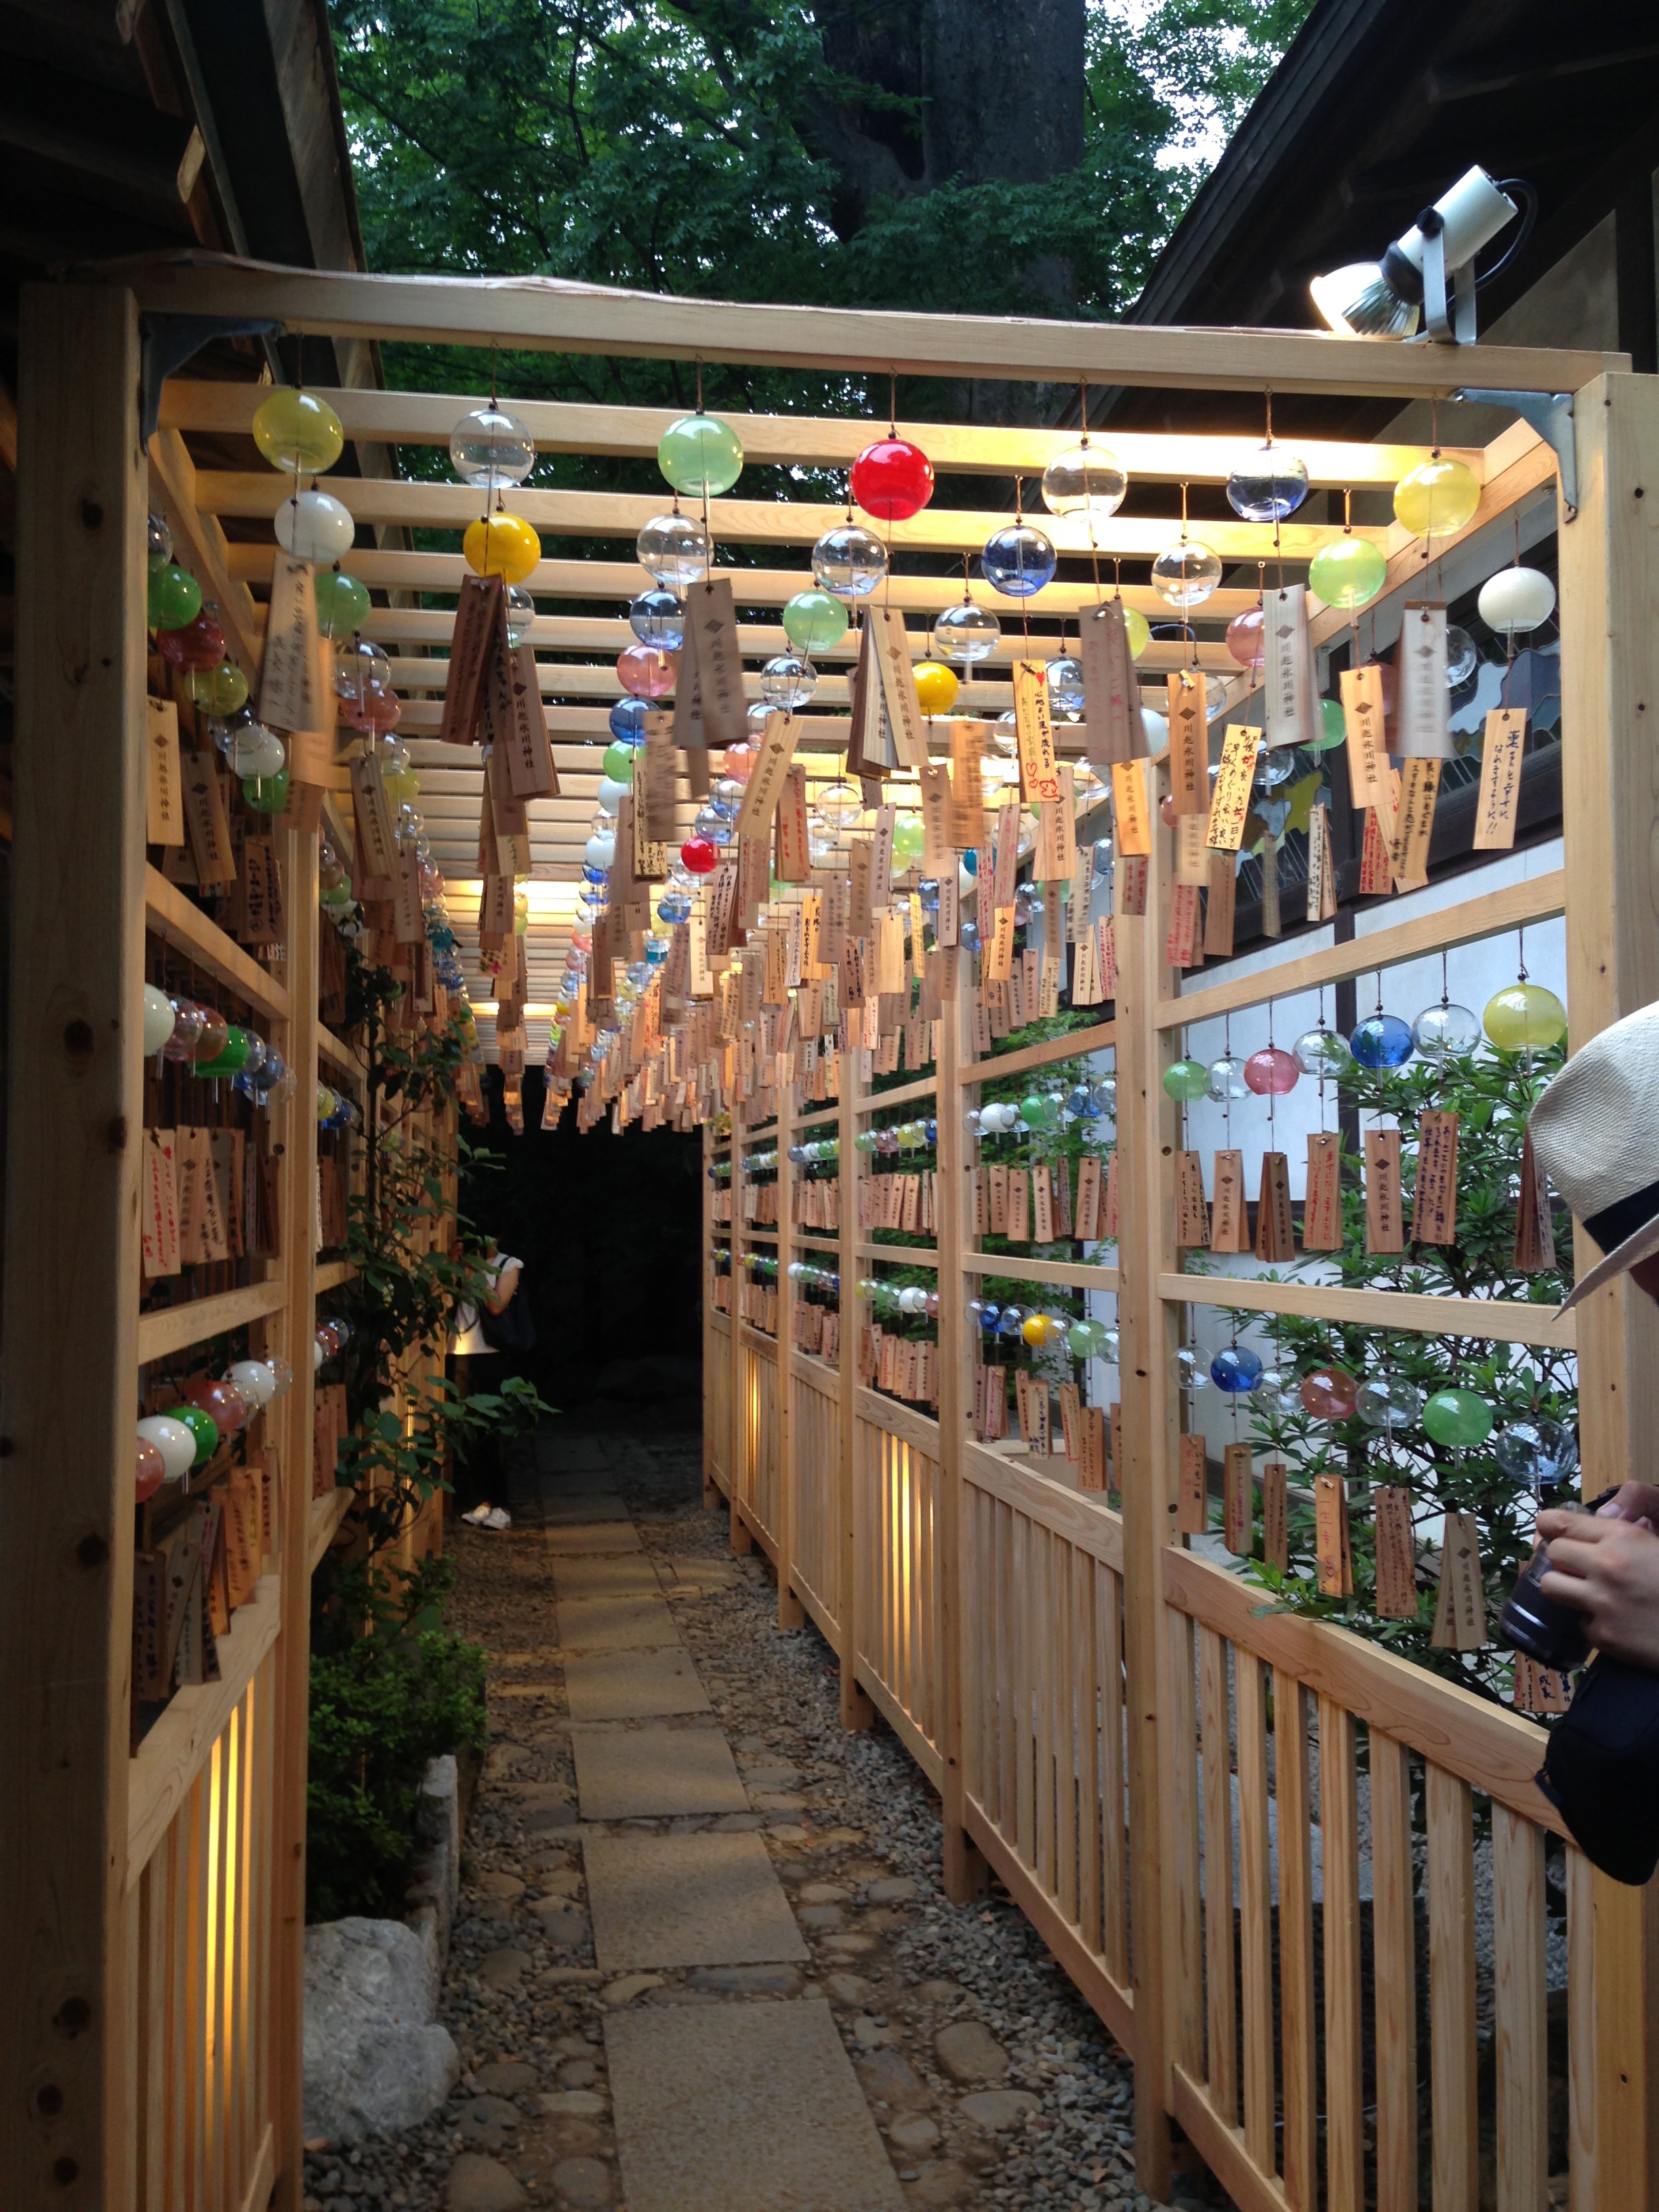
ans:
(710, 1491)
(296, 1133)
(967, 1877)
(791, 1613)
(1609, 569)
(857, 1711)
(1147, 1482)
(75, 1103)
(738, 1443)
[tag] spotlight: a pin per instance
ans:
(1431, 268)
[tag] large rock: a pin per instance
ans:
(376, 2058)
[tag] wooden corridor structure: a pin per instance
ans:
(1101, 1709)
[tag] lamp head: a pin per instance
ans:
(1381, 299)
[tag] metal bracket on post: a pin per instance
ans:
(1551, 414)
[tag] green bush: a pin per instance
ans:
(381, 1708)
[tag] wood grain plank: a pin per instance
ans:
(179, 1747)
(1493, 914)
(550, 314)
(1075, 1274)
(72, 1257)
(1339, 1820)
(1186, 1927)
(423, 418)
(1457, 2142)
(1255, 1905)
(1220, 1992)
(1395, 1954)
(172, 1328)
(1096, 1039)
(1495, 1750)
(1296, 1960)
(1521, 2001)
(1114, 1880)
(1503, 1320)
(183, 924)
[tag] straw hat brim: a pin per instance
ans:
(1623, 1257)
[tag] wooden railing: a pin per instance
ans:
(1312, 1888)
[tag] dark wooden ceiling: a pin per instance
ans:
(1381, 103)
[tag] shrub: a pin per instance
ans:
(381, 1708)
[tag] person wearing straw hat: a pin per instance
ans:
(1596, 1135)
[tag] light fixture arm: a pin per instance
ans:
(1451, 320)
(1551, 414)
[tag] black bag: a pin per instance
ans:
(1601, 1770)
(513, 1329)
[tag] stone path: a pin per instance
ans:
(703, 1964)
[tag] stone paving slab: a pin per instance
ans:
(605, 1575)
(636, 1774)
(564, 1508)
(707, 1900)
(625, 1621)
(742, 2108)
(633, 1685)
(569, 1539)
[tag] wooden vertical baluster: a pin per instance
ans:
(786, 1444)
(931, 1604)
(1109, 1650)
(1004, 1660)
(1395, 1956)
(961, 1626)
(197, 2010)
(1096, 1699)
(1339, 1822)
(1040, 1598)
(1147, 1135)
(741, 1471)
(1183, 1926)
(1456, 2147)
(1021, 1671)
(264, 1864)
(710, 1337)
(71, 1262)
(1296, 1961)
(1583, 2142)
(1521, 2001)
(1075, 1703)
(1255, 1914)
(856, 1709)
(1221, 2006)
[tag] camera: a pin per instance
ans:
(1541, 1626)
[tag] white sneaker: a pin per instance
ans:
(496, 1518)
(478, 1517)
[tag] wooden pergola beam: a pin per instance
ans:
(552, 314)
(425, 418)
(389, 571)
(408, 504)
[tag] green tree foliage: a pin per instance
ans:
(1491, 1093)
(382, 1707)
(904, 153)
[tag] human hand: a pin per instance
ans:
(1633, 1501)
(1607, 1569)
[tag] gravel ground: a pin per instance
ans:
(854, 1832)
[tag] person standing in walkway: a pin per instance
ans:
(480, 1360)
